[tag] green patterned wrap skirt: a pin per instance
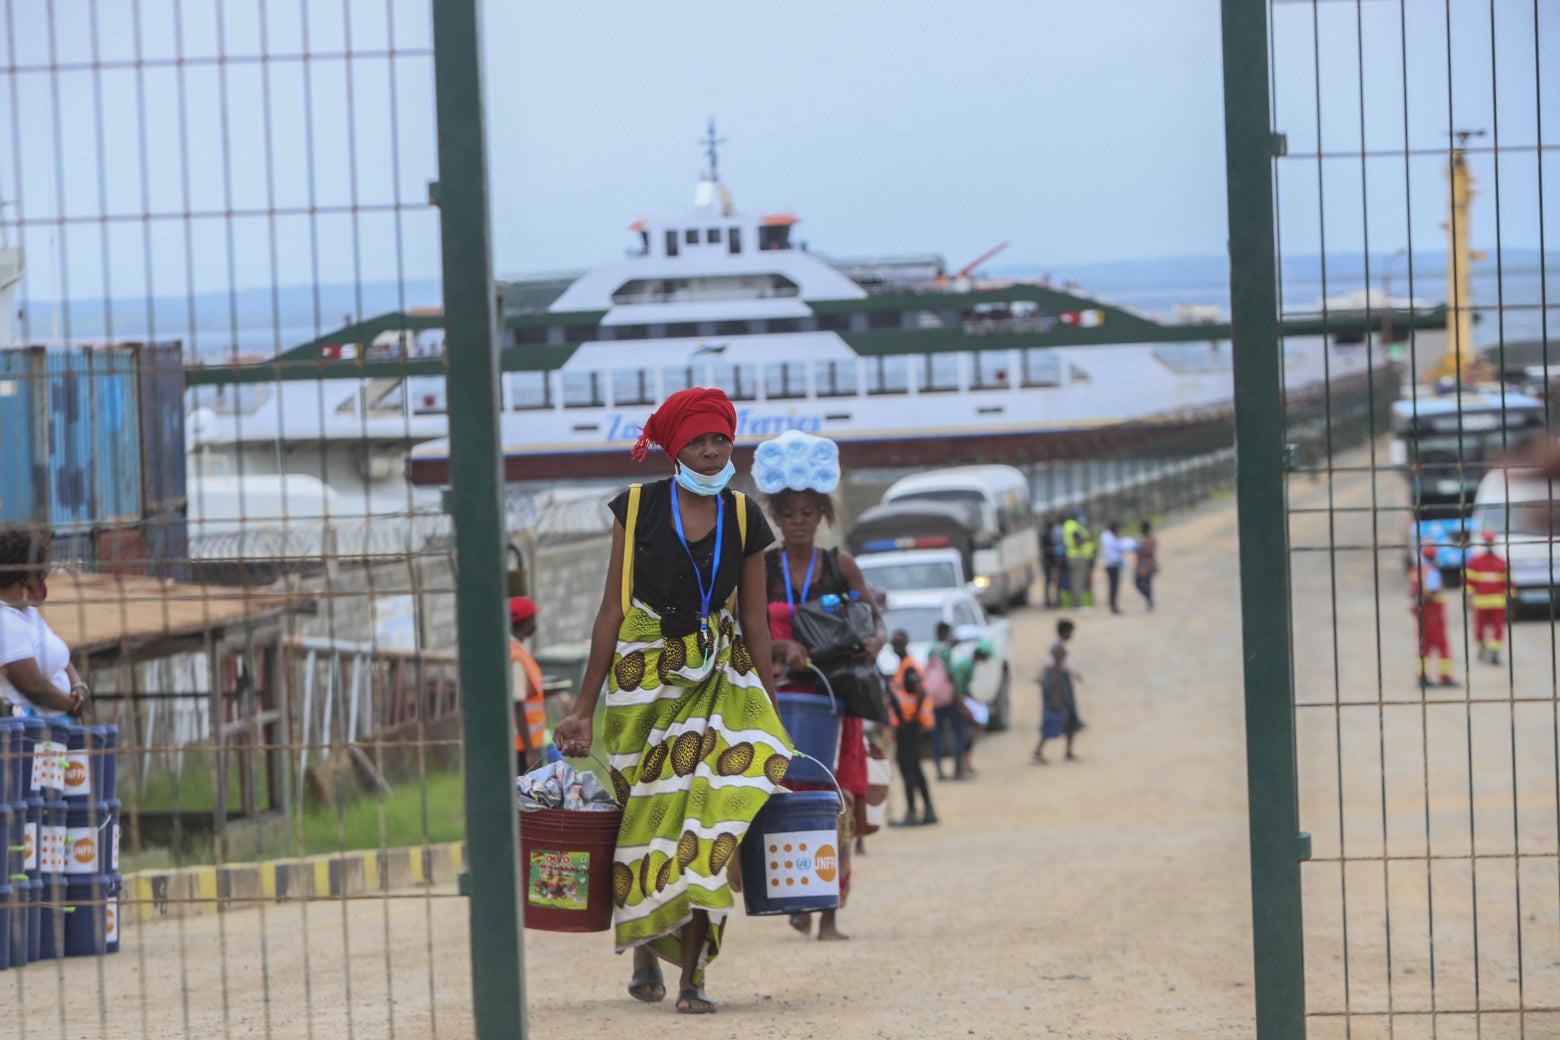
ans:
(696, 750)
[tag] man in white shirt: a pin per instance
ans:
(1113, 551)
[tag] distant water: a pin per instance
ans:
(254, 323)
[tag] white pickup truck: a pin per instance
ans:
(910, 569)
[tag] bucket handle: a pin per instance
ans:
(826, 685)
(837, 788)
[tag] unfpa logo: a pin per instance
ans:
(75, 774)
(84, 851)
(826, 863)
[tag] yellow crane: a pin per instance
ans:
(1460, 363)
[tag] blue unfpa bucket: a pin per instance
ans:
(8, 782)
(790, 856)
(83, 916)
(814, 722)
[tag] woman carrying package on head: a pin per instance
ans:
(798, 471)
(681, 644)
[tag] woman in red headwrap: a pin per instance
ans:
(681, 643)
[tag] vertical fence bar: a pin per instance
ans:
(476, 505)
(1277, 936)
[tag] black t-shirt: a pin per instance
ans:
(664, 578)
(827, 577)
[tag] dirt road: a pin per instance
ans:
(1106, 898)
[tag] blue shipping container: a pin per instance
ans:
(21, 501)
(116, 435)
(162, 429)
(94, 451)
(68, 449)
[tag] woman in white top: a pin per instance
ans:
(36, 675)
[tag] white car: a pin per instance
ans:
(918, 613)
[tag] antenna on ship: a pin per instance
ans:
(711, 142)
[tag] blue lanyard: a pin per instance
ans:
(806, 582)
(705, 594)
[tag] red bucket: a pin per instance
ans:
(566, 856)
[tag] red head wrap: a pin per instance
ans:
(521, 608)
(682, 417)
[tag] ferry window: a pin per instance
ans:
(582, 390)
(675, 379)
(734, 241)
(633, 386)
(578, 333)
(731, 328)
(887, 375)
(739, 381)
(991, 370)
(785, 324)
(774, 237)
(671, 243)
(630, 331)
(834, 322)
(883, 320)
(528, 335)
(692, 236)
(644, 243)
(835, 378)
(1042, 367)
(940, 373)
(712, 236)
(784, 379)
(528, 390)
(682, 328)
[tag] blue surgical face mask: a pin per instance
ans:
(700, 484)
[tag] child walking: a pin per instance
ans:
(1059, 707)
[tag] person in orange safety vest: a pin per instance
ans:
(526, 685)
(910, 713)
(1429, 606)
(1488, 588)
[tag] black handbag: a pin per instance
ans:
(857, 687)
(832, 634)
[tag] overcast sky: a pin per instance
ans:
(1079, 132)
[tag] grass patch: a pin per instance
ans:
(433, 811)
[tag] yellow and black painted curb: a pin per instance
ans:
(194, 891)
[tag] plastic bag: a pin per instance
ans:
(557, 785)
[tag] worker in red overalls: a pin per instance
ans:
(1488, 588)
(1429, 607)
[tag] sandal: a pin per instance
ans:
(643, 983)
(692, 1001)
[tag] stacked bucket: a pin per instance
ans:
(61, 821)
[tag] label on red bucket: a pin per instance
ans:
(798, 863)
(559, 880)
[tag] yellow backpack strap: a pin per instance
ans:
(629, 524)
(731, 604)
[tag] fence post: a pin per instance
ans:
(1277, 936)
(476, 506)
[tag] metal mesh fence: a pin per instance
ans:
(1412, 172)
(260, 602)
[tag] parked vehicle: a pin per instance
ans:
(918, 612)
(1006, 549)
(913, 569)
(1524, 513)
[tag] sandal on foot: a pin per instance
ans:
(647, 979)
(692, 1001)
